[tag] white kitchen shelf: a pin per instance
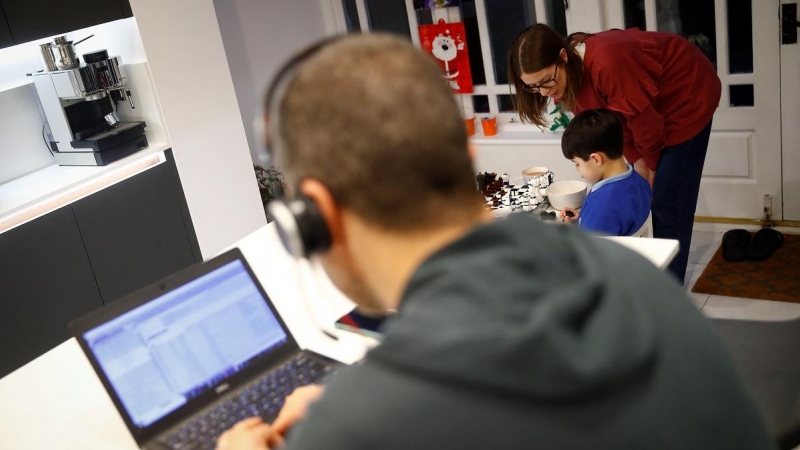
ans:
(516, 134)
(47, 189)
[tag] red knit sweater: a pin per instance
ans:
(662, 87)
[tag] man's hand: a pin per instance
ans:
(249, 434)
(293, 411)
(568, 215)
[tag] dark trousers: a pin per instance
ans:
(675, 191)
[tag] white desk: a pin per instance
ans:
(660, 252)
(57, 402)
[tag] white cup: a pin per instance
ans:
(535, 176)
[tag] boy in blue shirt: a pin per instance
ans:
(619, 201)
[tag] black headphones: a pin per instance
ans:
(300, 225)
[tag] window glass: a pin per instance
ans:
(634, 14)
(506, 104)
(480, 104)
(557, 16)
(389, 16)
(351, 15)
(469, 17)
(740, 36)
(692, 19)
(424, 17)
(742, 95)
(506, 19)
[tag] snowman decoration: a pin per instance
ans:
(446, 49)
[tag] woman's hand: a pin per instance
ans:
(568, 215)
(641, 168)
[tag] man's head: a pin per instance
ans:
(592, 140)
(367, 128)
(370, 117)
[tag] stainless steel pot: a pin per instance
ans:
(64, 53)
(48, 63)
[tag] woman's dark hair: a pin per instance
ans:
(595, 130)
(537, 48)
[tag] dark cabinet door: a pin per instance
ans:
(5, 34)
(34, 19)
(134, 231)
(126, 8)
(45, 282)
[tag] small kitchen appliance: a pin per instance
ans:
(79, 108)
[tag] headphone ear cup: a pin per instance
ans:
(300, 225)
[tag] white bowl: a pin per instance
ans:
(569, 193)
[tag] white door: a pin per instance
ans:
(744, 154)
(790, 110)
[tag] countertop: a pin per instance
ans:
(52, 187)
(57, 401)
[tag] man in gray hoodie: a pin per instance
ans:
(510, 334)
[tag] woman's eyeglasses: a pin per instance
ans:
(536, 88)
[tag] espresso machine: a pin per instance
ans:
(79, 108)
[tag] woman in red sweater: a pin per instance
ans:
(661, 86)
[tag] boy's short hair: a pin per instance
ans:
(595, 130)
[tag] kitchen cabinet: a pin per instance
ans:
(87, 254)
(134, 232)
(5, 34)
(29, 20)
(46, 282)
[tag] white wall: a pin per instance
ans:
(22, 149)
(259, 36)
(513, 159)
(198, 103)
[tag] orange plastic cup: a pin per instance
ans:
(470, 124)
(489, 125)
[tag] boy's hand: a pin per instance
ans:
(568, 215)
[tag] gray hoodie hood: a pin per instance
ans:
(527, 335)
(541, 315)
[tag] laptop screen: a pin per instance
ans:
(183, 343)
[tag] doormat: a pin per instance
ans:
(777, 278)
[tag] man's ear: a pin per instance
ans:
(328, 208)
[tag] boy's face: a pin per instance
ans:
(590, 170)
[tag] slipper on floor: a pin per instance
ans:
(765, 242)
(735, 244)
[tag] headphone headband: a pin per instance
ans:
(300, 225)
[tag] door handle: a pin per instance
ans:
(789, 23)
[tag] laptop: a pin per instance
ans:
(189, 356)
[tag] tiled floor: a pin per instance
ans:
(705, 241)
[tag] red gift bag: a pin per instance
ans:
(447, 43)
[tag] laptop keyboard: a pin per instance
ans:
(262, 398)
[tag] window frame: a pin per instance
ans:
(491, 89)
